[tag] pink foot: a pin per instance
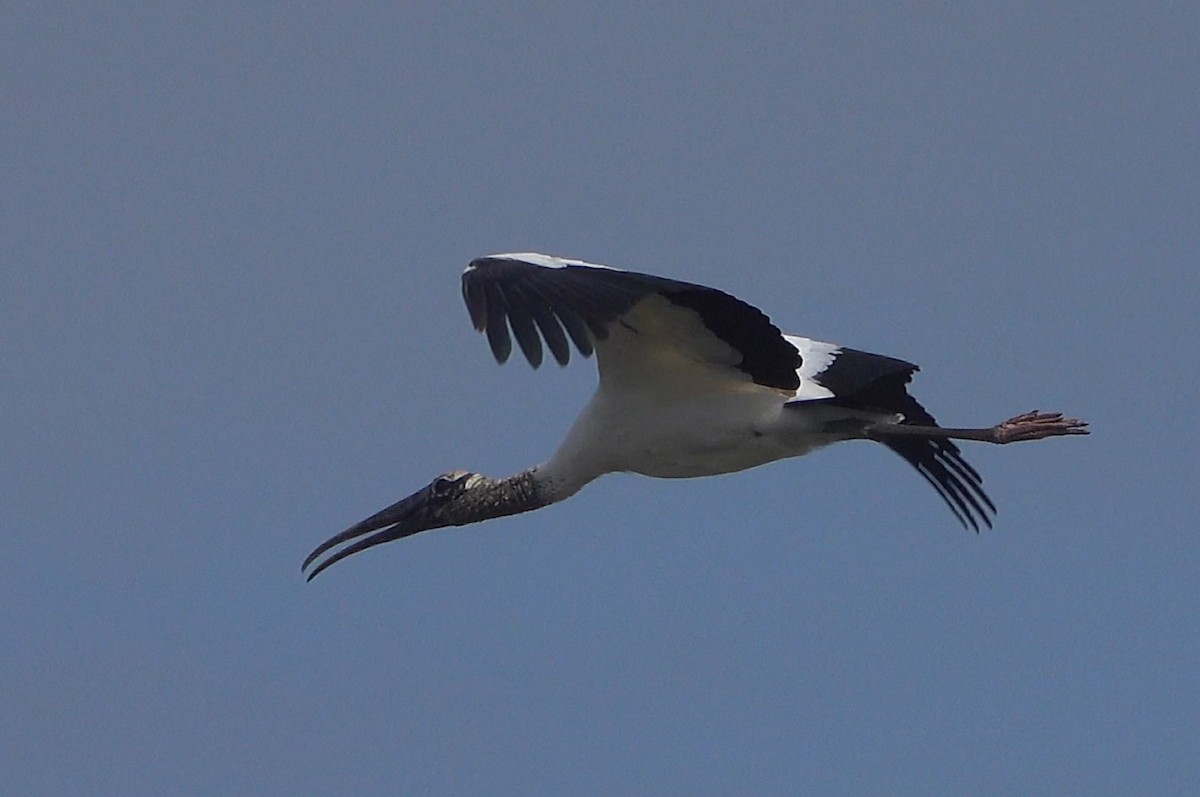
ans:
(1036, 425)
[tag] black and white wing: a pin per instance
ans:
(859, 380)
(542, 298)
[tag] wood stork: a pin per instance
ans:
(693, 382)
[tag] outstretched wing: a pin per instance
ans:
(542, 298)
(860, 380)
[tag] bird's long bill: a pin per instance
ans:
(399, 520)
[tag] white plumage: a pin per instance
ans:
(693, 382)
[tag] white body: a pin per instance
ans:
(669, 406)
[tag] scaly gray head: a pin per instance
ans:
(452, 499)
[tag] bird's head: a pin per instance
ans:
(452, 499)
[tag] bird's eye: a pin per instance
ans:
(442, 486)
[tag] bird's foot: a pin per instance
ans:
(1035, 425)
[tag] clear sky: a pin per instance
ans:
(230, 326)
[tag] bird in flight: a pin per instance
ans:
(693, 382)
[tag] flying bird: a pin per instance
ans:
(693, 382)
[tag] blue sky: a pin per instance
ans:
(230, 326)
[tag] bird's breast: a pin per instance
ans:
(681, 438)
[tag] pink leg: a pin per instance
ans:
(1027, 426)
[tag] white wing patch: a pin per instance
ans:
(547, 261)
(659, 346)
(818, 356)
